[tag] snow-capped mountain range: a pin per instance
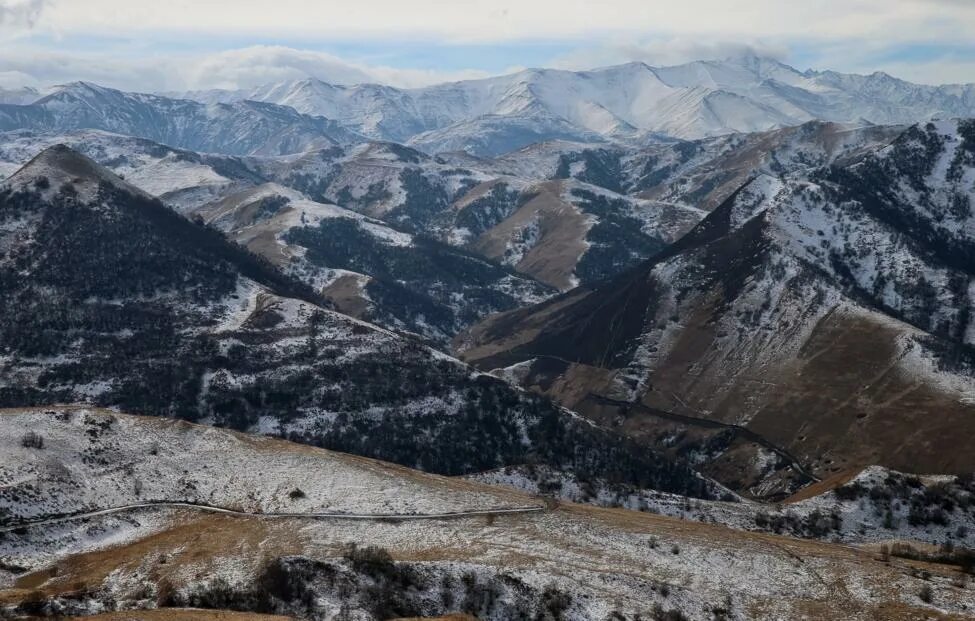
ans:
(631, 102)
(634, 104)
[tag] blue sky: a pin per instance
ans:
(186, 44)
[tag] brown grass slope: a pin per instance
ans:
(734, 330)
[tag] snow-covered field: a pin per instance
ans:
(97, 459)
(587, 563)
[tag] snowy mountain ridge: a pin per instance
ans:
(633, 104)
(630, 103)
(237, 128)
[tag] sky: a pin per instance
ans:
(178, 45)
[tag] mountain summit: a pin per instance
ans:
(59, 165)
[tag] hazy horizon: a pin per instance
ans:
(175, 46)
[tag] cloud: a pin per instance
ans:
(506, 20)
(264, 64)
(136, 44)
(413, 78)
(252, 66)
(16, 79)
(664, 52)
(944, 70)
(681, 50)
(242, 68)
(245, 68)
(20, 14)
(43, 67)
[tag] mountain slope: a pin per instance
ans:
(559, 232)
(563, 232)
(20, 96)
(424, 285)
(112, 299)
(395, 279)
(561, 213)
(238, 128)
(495, 134)
(367, 269)
(699, 173)
(829, 313)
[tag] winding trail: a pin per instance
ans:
(224, 511)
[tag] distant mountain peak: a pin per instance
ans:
(84, 87)
(750, 57)
(76, 85)
(61, 158)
